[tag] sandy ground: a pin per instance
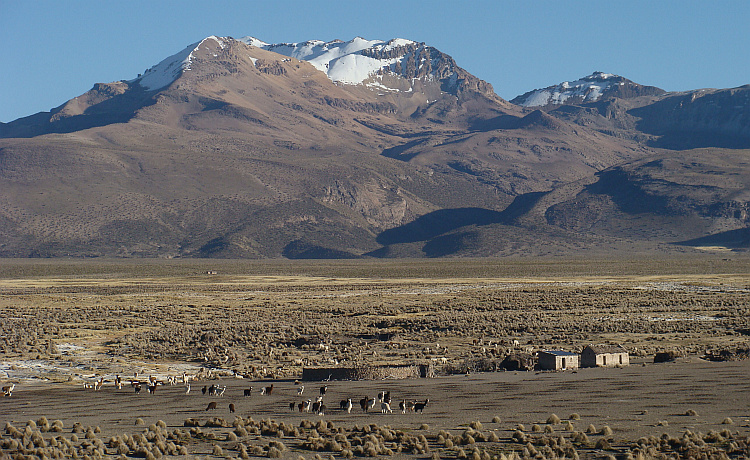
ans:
(639, 400)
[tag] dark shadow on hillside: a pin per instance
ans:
(626, 194)
(444, 221)
(734, 239)
(398, 152)
(116, 109)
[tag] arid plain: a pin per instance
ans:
(237, 325)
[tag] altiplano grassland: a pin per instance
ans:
(236, 325)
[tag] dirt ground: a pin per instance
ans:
(72, 324)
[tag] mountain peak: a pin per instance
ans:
(590, 88)
(168, 70)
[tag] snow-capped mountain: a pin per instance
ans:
(356, 62)
(587, 89)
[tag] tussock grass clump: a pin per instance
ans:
(574, 416)
(568, 426)
(139, 422)
(691, 413)
(727, 421)
(553, 420)
(496, 419)
(535, 428)
(605, 431)
(477, 425)
(591, 429)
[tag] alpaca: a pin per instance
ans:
(402, 406)
(349, 406)
(137, 388)
(267, 390)
(292, 406)
(323, 390)
(247, 391)
(211, 406)
(204, 389)
(221, 393)
(300, 390)
(363, 404)
(187, 388)
(212, 389)
(231, 408)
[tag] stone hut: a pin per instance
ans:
(557, 360)
(604, 356)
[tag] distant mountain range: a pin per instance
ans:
(368, 148)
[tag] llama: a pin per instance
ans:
(419, 407)
(204, 389)
(98, 384)
(212, 389)
(221, 393)
(323, 390)
(349, 406)
(247, 392)
(363, 404)
(292, 405)
(137, 388)
(152, 388)
(187, 388)
(402, 406)
(300, 390)
(267, 390)
(385, 408)
(231, 408)
(211, 406)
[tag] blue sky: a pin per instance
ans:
(52, 50)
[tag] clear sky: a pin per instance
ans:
(54, 50)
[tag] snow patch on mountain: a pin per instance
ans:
(588, 89)
(167, 71)
(343, 62)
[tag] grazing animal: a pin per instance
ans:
(137, 388)
(371, 402)
(152, 388)
(402, 406)
(221, 393)
(231, 408)
(211, 406)
(118, 382)
(342, 404)
(203, 390)
(8, 390)
(247, 391)
(267, 390)
(300, 390)
(315, 406)
(419, 407)
(363, 404)
(212, 390)
(385, 408)
(323, 390)
(349, 406)
(387, 397)
(307, 405)
(291, 406)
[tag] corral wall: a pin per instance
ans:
(409, 371)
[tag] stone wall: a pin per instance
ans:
(407, 371)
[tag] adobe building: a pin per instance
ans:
(604, 356)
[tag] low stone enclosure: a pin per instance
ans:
(404, 371)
